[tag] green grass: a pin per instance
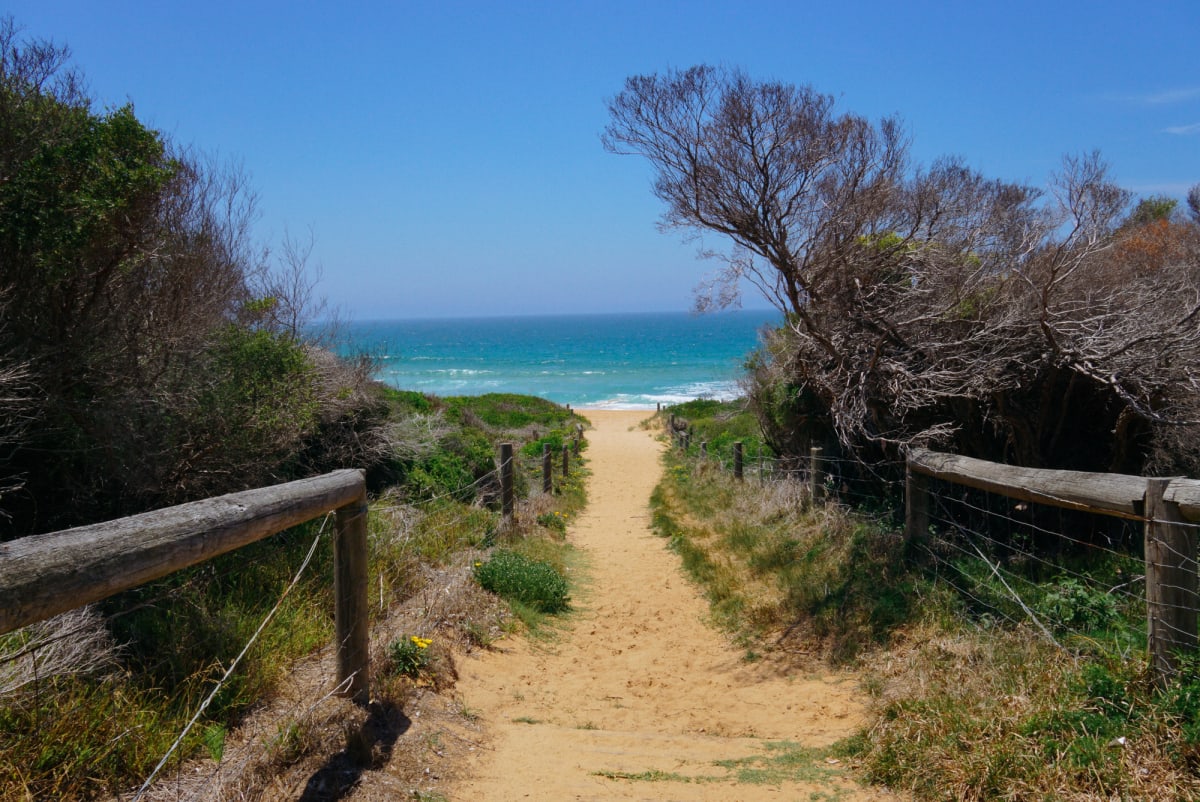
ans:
(720, 424)
(782, 761)
(518, 578)
(778, 763)
(766, 563)
(70, 736)
(969, 698)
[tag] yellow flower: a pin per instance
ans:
(421, 643)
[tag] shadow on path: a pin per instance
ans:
(368, 747)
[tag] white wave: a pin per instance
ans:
(463, 372)
(717, 391)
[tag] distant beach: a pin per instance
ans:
(625, 361)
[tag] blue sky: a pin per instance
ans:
(446, 155)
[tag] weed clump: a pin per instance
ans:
(515, 577)
(409, 655)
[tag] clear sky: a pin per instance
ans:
(446, 155)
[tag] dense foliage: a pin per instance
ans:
(145, 351)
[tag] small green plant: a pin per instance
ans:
(555, 521)
(516, 577)
(1075, 606)
(409, 655)
(214, 741)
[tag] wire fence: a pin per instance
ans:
(79, 643)
(1074, 571)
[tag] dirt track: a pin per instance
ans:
(639, 694)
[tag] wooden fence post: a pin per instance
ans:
(704, 449)
(1171, 586)
(916, 506)
(351, 616)
(547, 470)
(566, 461)
(575, 446)
(737, 460)
(816, 481)
(506, 482)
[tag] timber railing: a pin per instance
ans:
(44, 575)
(1168, 508)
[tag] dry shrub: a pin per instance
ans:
(75, 642)
(927, 305)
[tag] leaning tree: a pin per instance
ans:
(930, 305)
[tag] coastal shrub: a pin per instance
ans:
(555, 521)
(463, 458)
(252, 415)
(553, 439)
(515, 577)
(1070, 605)
(720, 424)
(407, 401)
(507, 411)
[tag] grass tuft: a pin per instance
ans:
(518, 578)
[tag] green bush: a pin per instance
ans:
(721, 424)
(463, 458)
(533, 583)
(407, 401)
(507, 411)
(1073, 606)
(555, 521)
(553, 439)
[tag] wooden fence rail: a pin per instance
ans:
(43, 575)
(1167, 508)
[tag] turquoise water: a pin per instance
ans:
(630, 361)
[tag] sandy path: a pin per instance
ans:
(639, 682)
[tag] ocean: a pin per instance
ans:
(618, 361)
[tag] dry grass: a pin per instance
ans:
(782, 573)
(308, 743)
(1004, 714)
(963, 707)
(73, 643)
